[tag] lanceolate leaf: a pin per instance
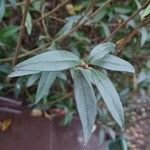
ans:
(146, 12)
(101, 50)
(46, 80)
(2, 8)
(28, 23)
(32, 79)
(144, 35)
(114, 63)
(18, 73)
(86, 102)
(109, 95)
(49, 61)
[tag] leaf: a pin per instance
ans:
(144, 35)
(6, 124)
(37, 5)
(101, 136)
(48, 61)
(18, 73)
(110, 96)
(101, 50)
(13, 2)
(146, 12)
(33, 78)
(114, 63)
(8, 31)
(86, 103)
(106, 29)
(139, 6)
(66, 28)
(122, 10)
(124, 145)
(130, 23)
(46, 80)
(28, 23)
(2, 8)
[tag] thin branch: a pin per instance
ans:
(125, 22)
(51, 12)
(122, 42)
(21, 31)
(19, 4)
(28, 53)
(60, 38)
(43, 22)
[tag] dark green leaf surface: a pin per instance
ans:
(2, 8)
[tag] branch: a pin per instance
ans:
(21, 31)
(60, 38)
(125, 22)
(122, 42)
(51, 12)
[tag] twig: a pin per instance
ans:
(19, 4)
(21, 31)
(125, 22)
(28, 53)
(51, 12)
(60, 99)
(60, 38)
(122, 42)
(43, 22)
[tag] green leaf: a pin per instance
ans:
(114, 63)
(130, 23)
(146, 12)
(8, 31)
(13, 2)
(139, 6)
(66, 28)
(101, 50)
(28, 23)
(144, 35)
(110, 96)
(106, 29)
(86, 102)
(49, 61)
(2, 8)
(18, 73)
(46, 80)
(124, 144)
(101, 135)
(32, 79)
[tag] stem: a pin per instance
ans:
(21, 31)
(125, 22)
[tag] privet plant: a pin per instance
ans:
(84, 76)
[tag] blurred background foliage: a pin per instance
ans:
(48, 21)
